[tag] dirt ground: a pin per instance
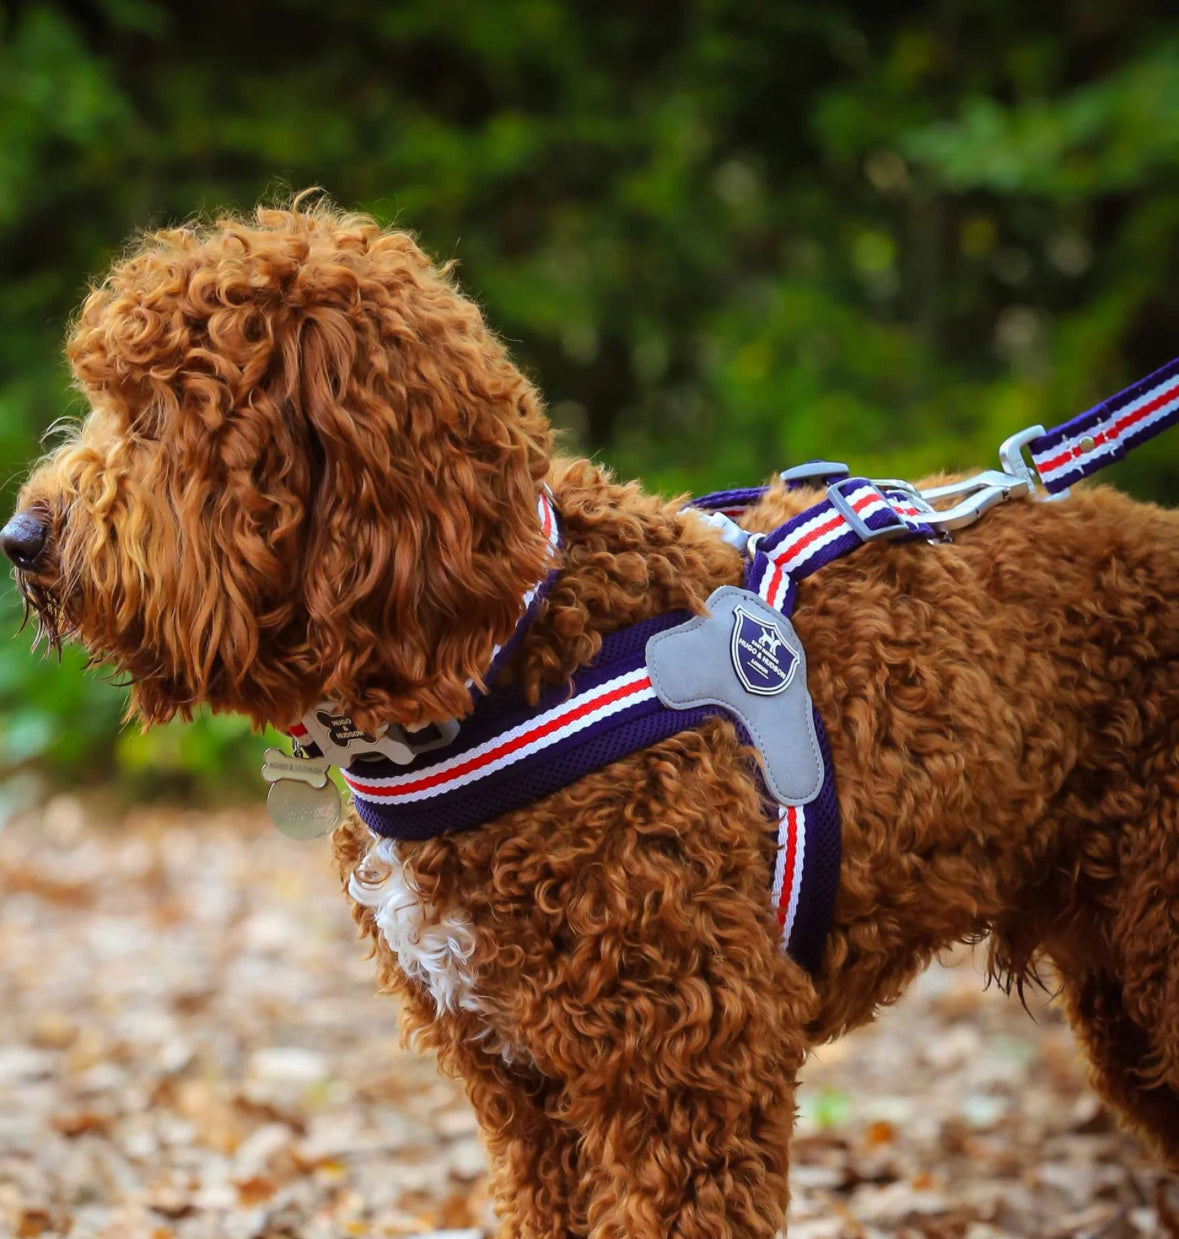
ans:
(190, 1047)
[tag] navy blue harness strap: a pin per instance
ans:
(509, 754)
(504, 759)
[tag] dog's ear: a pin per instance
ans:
(429, 449)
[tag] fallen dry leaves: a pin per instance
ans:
(191, 1047)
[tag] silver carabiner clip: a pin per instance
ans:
(981, 493)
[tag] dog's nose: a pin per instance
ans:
(23, 539)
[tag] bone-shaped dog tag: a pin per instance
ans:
(746, 657)
(303, 802)
(276, 766)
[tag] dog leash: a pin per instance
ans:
(1080, 447)
(1056, 459)
(657, 678)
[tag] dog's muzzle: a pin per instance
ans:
(23, 539)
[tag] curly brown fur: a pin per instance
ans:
(310, 470)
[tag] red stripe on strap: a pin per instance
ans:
(788, 867)
(773, 582)
(1113, 433)
(548, 516)
(571, 715)
(797, 547)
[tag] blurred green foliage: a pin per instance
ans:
(724, 235)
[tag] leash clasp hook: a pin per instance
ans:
(977, 495)
(981, 493)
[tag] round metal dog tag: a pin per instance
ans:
(301, 811)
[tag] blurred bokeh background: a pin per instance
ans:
(724, 235)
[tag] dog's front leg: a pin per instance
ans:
(535, 1158)
(676, 1064)
(629, 1029)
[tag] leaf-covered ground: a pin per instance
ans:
(190, 1046)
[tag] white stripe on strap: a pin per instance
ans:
(1087, 449)
(805, 546)
(570, 717)
(788, 867)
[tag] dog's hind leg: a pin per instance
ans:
(1120, 1055)
(1120, 963)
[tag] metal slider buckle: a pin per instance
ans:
(911, 493)
(840, 503)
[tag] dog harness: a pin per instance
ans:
(743, 659)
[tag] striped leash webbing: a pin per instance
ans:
(1105, 433)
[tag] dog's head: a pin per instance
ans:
(308, 470)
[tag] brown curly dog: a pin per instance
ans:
(309, 470)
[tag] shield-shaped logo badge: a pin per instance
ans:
(764, 663)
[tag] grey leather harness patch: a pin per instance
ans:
(747, 658)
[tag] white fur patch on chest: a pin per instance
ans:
(435, 950)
